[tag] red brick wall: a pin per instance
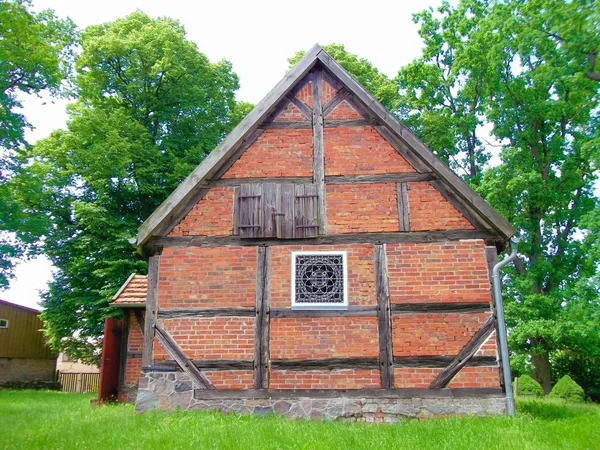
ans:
(429, 210)
(434, 334)
(211, 337)
(324, 379)
(360, 150)
(414, 377)
(362, 208)
(135, 343)
(444, 272)
(276, 153)
(329, 337)
(327, 92)
(305, 94)
(476, 377)
(361, 275)
(211, 216)
(230, 379)
(207, 277)
(343, 111)
(289, 114)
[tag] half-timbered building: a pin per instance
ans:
(322, 262)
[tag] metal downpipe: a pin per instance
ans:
(510, 401)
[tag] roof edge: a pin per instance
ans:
(242, 131)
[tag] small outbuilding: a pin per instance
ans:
(25, 358)
(320, 262)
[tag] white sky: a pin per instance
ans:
(257, 37)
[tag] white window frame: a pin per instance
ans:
(329, 306)
(5, 323)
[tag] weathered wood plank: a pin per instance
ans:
(373, 363)
(403, 206)
(331, 239)
(384, 318)
(210, 364)
(356, 311)
(261, 323)
(151, 309)
(350, 123)
(301, 106)
(287, 124)
(233, 311)
(331, 179)
(318, 150)
(284, 217)
(135, 355)
(464, 355)
(441, 307)
(211, 164)
(175, 352)
(203, 394)
(338, 98)
(269, 205)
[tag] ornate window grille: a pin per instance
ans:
(319, 280)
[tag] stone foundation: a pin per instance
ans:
(172, 390)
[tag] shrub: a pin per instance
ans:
(568, 390)
(528, 386)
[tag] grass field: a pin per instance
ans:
(40, 420)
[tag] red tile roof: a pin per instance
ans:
(133, 292)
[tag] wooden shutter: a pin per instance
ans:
(305, 213)
(271, 210)
(249, 211)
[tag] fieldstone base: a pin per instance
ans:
(172, 390)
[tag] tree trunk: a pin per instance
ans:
(541, 372)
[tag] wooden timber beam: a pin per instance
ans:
(415, 237)
(300, 105)
(403, 206)
(401, 177)
(464, 355)
(300, 124)
(139, 318)
(338, 98)
(171, 313)
(203, 394)
(208, 364)
(175, 352)
(261, 323)
(151, 309)
(319, 149)
(384, 318)
(441, 307)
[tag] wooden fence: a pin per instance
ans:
(79, 382)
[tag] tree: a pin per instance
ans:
(523, 68)
(378, 84)
(544, 109)
(444, 91)
(36, 53)
(149, 108)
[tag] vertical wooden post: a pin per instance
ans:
(491, 256)
(318, 149)
(151, 308)
(124, 347)
(384, 318)
(403, 207)
(261, 324)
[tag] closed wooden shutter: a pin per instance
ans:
(305, 212)
(249, 209)
(272, 210)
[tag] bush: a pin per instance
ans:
(568, 390)
(528, 386)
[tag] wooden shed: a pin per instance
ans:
(24, 355)
(322, 262)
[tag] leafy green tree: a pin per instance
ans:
(544, 109)
(377, 83)
(36, 54)
(149, 108)
(443, 92)
(523, 67)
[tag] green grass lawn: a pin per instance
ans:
(44, 419)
